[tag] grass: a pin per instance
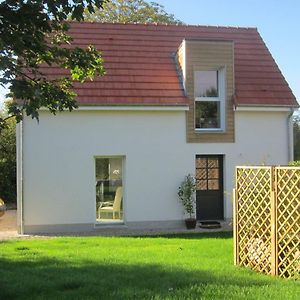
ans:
(195, 266)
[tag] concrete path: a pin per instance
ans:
(8, 230)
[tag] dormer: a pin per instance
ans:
(207, 69)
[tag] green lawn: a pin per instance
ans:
(195, 266)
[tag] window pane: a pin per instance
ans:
(213, 163)
(207, 114)
(206, 84)
(201, 185)
(109, 189)
(201, 174)
(213, 184)
(200, 162)
(213, 173)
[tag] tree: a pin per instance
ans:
(297, 138)
(131, 11)
(33, 32)
(8, 190)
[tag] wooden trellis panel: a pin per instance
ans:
(253, 217)
(288, 220)
(267, 219)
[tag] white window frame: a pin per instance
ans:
(221, 99)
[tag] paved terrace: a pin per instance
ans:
(8, 230)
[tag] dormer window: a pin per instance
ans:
(209, 89)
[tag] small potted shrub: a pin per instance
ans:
(186, 194)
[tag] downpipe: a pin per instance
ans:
(290, 135)
(20, 205)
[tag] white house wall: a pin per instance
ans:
(59, 162)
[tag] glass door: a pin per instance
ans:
(109, 189)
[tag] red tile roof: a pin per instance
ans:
(141, 69)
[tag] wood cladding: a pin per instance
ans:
(202, 56)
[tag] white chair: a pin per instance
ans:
(106, 207)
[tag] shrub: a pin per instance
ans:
(294, 163)
(8, 190)
(186, 194)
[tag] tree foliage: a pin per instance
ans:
(33, 33)
(132, 11)
(8, 160)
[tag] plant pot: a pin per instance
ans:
(190, 223)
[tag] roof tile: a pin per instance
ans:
(141, 70)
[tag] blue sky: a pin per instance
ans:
(278, 22)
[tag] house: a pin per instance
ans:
(175, 100)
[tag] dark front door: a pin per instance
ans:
(209, 187)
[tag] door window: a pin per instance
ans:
(207, 173)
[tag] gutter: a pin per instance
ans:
(264, 108)
(178, 107)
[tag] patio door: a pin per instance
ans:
(109, 189)
(209, 187)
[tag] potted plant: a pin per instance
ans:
(186, 194)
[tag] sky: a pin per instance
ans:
(278, 22)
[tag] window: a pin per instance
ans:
(109, 189)
(207, 173)
(209, 87)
